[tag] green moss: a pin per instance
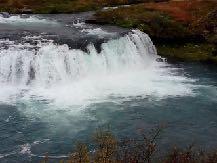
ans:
(189, 52)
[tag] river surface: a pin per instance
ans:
(60, 79)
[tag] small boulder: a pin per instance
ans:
(26, 11)
(160, 60)
(5, 14)
(25, 16)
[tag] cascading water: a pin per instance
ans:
(125, 66)
(61, 78)
(47, 63)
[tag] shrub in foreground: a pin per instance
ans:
(108, 149)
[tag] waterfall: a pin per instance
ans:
(36, 69)
(48, 63)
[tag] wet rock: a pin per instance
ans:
(24, 16)
(160, 60)
(93, 20)
(5, 14)
(26, 11)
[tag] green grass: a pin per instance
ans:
(189, 52)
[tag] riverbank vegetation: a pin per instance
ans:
(57, 6)
(106, 148)
(185, 30)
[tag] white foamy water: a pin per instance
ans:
(17, 19)
(125, 68)
(113, 8)
(79, 23)
(98, 32)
